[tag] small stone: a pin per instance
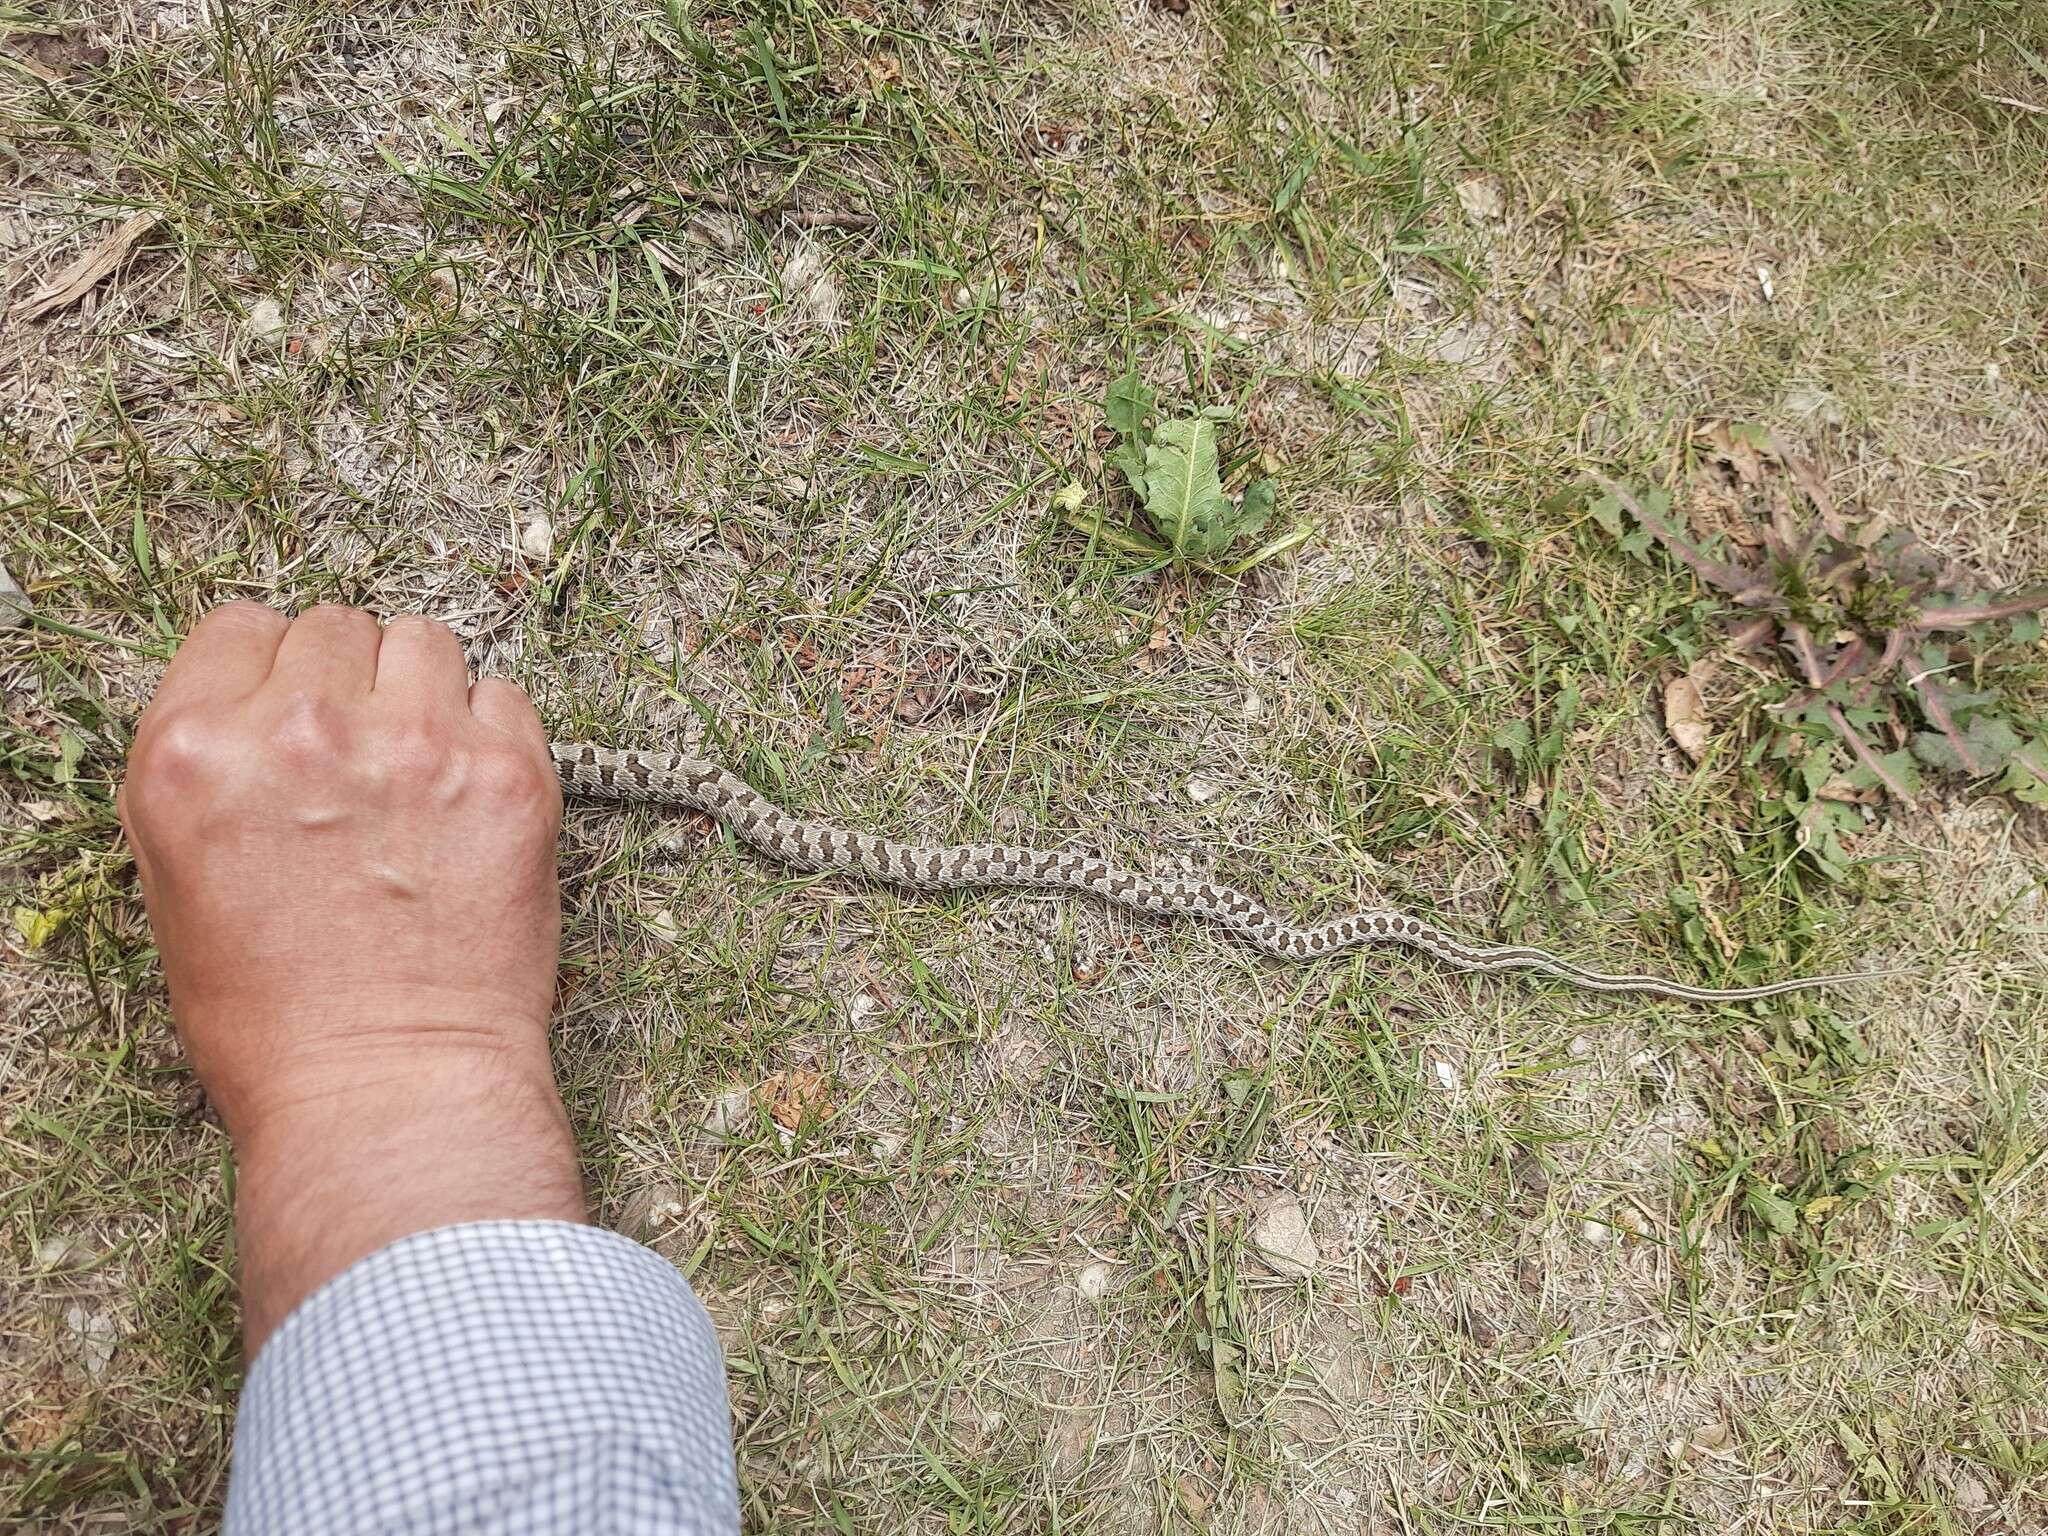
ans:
(14, 603)
(1528, 1172)
(1093, 1282)
(1481, 198)
(1816, 405)
(265, 322)
(730, 1113)
(809, 285)
(93, 1335)
(1202, 789)
(650, 1209)
(537, 538)
(1479, 1328)
(56, 1252)
(1281, 1237)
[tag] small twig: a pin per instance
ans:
(90, 269)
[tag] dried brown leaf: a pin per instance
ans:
(1740, 457)
(1685, 716)
(794, 1097)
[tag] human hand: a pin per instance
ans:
(348, 857)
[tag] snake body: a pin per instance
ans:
(665, 778)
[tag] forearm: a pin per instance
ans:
(411, 1141)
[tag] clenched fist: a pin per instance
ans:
(348, 857)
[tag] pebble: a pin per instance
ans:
(266, 322)
(1093, 1282)
(95, 1335)
(537, 538)
(1281, 1237)
(14, 604)
(730, 1112)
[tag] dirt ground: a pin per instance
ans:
(733, 378)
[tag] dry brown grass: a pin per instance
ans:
(796, 494)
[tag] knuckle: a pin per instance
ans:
(515, 777)
(309, 729)
(507, 700)
(171, 751)
(420, 754)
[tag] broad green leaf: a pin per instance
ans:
(1606, 511)
(1256, 509)
(1183, 492)
(1126, 405)
(1776, 1212)
(1514, 738)
(1987, 746)
(2026, 776)
(1130, 458)
(70, 753)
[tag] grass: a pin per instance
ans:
(691, 472)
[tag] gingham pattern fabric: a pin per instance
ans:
(499, 1376)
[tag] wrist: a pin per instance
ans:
(338, 1165)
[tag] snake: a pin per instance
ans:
(592, 772)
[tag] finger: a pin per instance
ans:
(328, 649)
(501, 706)
(420, 666)
(226, 657)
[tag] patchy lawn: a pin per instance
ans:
(735, 377)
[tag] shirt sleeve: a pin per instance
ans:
(493, 1377)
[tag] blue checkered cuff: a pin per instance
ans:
(499, 1376)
